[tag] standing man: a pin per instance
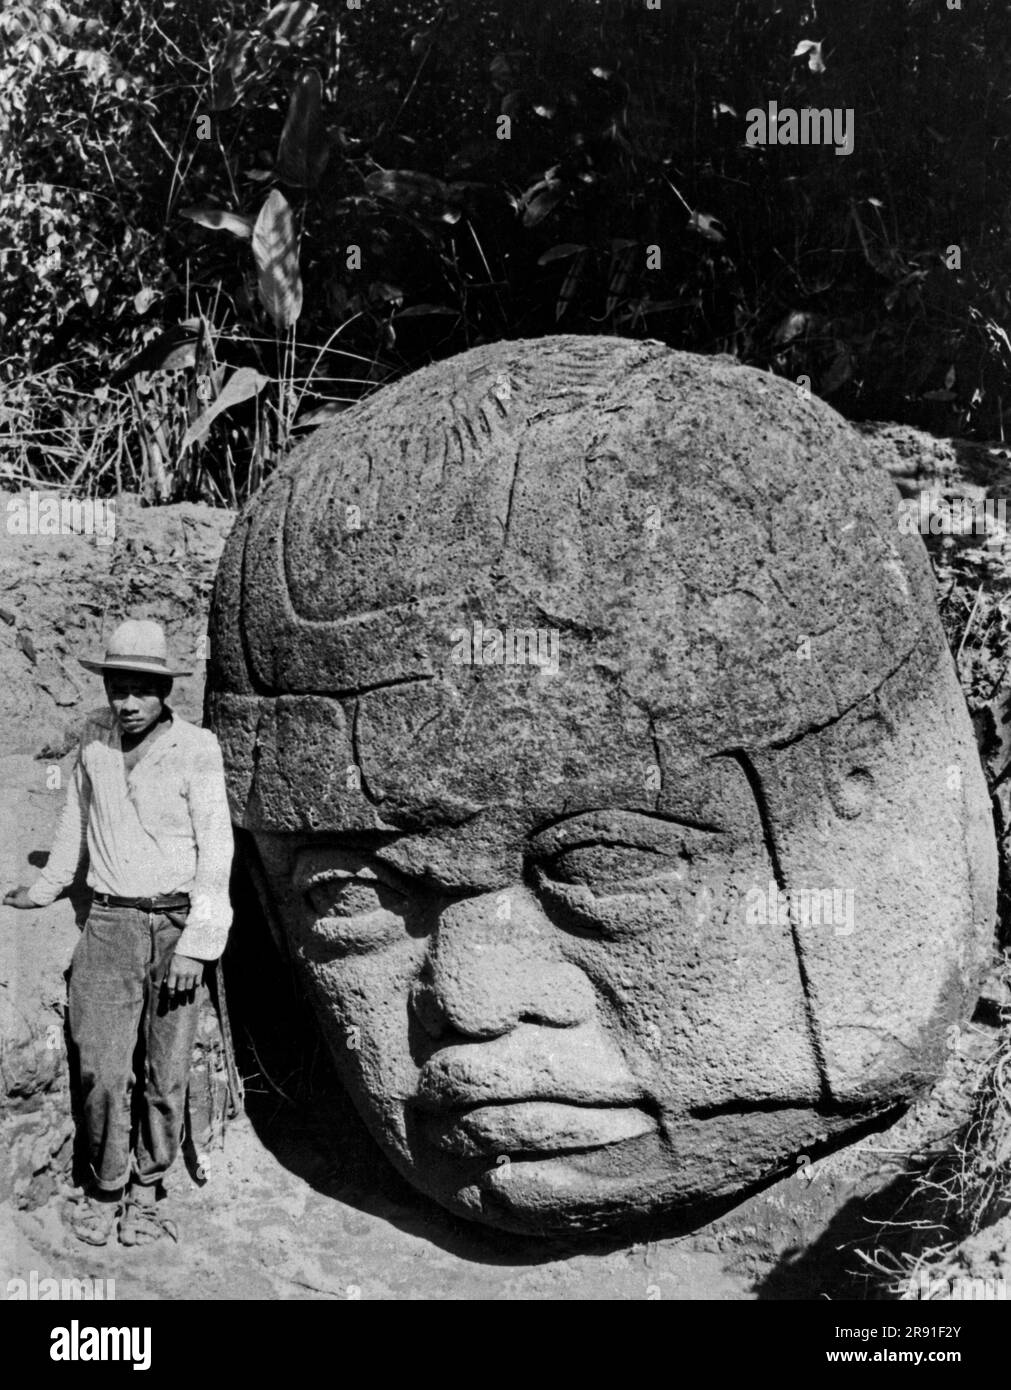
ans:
(147, 803)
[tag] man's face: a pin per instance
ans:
(136, 700)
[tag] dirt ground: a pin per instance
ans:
(296, 1220)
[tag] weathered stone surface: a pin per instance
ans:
(610, 934)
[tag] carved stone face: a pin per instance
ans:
(610, 935)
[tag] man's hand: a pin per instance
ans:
(184, 974)
(18, 897)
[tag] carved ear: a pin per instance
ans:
(898, 859)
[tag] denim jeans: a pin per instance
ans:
(117, 1001)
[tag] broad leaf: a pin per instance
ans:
(230, 75)
(707, 226)
(560, 253)
(501, 72)
(796, 323)
(275, 249)
(240, 386)
(302, 152)
(417, 192)
(541, 199)
(568, 291)
(175, 348)
(838, 373)
(417, 311)
(218, 219)
(380, 292)
(325, 412)
(815, 59)
(286, 21)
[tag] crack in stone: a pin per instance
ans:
(572, 625)
(354, 691)
(509, 502)
(819, 725)
(259, 686)
(814, 1033)
(367, 792)
(651, 724)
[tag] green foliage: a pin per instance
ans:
(200, 196)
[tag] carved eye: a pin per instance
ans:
(632, 875)
(353, 914)
(348, 896)
(601, 889)
(607, 868)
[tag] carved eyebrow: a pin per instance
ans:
(388, 877)
(614, 828)
(596, 841)
(385, 868)
(310, 867)
(328, 875)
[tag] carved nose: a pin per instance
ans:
(488, 971)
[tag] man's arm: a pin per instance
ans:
(210, 906)
(69, 846)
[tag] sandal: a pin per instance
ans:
(90, 1220)
(142, 1224)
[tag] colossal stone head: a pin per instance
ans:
(607, 774)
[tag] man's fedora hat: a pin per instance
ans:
(136, 645)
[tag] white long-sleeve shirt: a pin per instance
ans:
(162, 829)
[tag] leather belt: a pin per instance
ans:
(174, 903)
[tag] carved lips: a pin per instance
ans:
(511, 1095)
(535, 1126)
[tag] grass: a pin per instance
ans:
(131, 438)
(958, 1192)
